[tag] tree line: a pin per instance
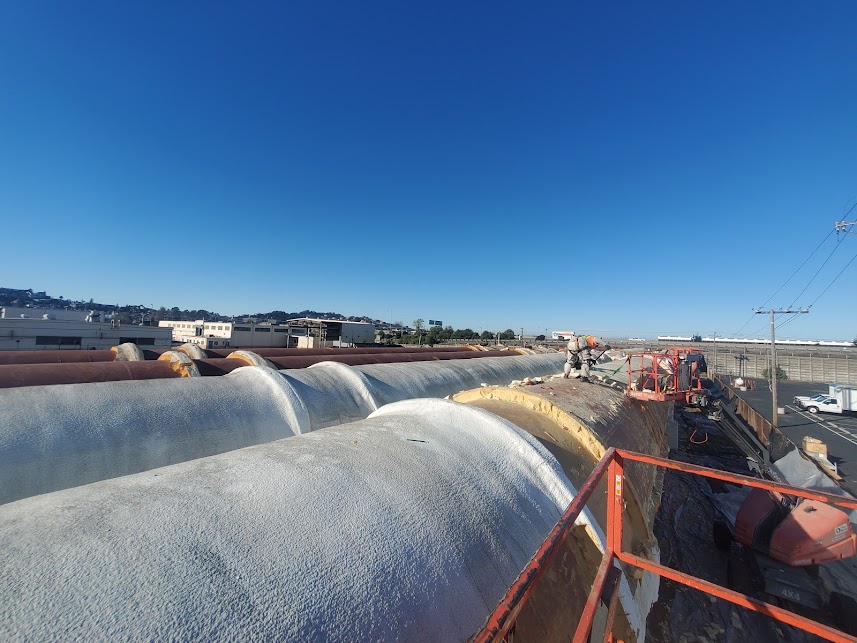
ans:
(437, 334)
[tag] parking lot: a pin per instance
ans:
(839, 432)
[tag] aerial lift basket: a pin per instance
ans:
(664, 377)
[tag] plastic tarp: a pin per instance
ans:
(800, 472)
(409, 525)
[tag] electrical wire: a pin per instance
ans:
(698, 441)
(787, 321)
(758, 332)
(845, 216)
(749, 319)
(829, 286)
(835, 248)
(786, 282)
(809, 283)
(834, 280)
(798, 269)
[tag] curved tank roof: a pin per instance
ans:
(410, 524)
(80, 433)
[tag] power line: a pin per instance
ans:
(749, 319)
(834, 279)
(789, 320)
(757, 332)
(829, 286)
(835, 248)
(838, 227)
(798, 269)
(786, 282)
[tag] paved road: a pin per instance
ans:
(839, 432)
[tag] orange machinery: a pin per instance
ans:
(672, 375)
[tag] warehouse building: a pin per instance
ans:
(88, 333)
(297, 333)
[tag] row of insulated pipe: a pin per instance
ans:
(55, 437)
(407, 525)
(75, 356)
(170, 364)
(55, 357)
(286, 352)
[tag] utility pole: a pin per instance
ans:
(714, 369)
(774, 368)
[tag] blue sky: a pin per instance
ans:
(626, 168)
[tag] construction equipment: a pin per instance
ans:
(779, 541)
(612, 467)
(673, 375)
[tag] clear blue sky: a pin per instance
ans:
(631, 168)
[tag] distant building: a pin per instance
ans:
(16, 312)
(300, 333)
(39, 333)
(326, 333)
(229, 334)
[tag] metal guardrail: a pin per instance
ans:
(605, 586)
(756, 420)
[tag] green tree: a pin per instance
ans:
(781, 374)
(419, 322)
(507, 334)
(434, 335)
(158, 315)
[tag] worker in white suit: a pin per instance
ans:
(578, 355)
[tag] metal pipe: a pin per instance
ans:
(384, 358)
(16, 375)
(300, 352)
(222, 365)
(75, 356)
(55, 357)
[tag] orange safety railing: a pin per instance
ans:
(660, 381)
(605, 586)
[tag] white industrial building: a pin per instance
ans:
(86, 333)
(229, 334)
(325, 333)
(299, 333)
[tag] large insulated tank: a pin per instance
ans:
(577, 422)
(55, 437)
(408, 525)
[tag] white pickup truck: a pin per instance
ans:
(838, 400)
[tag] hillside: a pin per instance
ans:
(136, 313)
